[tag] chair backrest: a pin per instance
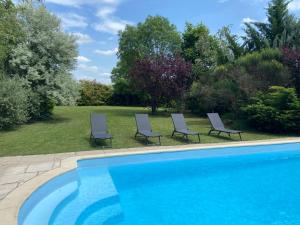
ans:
(98, 123)
(178, 121)
(142, 122)
(215, 120)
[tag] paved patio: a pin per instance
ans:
(21, 175)
(15, 171)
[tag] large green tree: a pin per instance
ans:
(10, 32)
(202, 49)
(155, 36)
(279, 30)
(44, 58)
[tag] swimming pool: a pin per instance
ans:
(252, 185)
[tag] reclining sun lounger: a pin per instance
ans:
(144, 128)
(99, 128)
(181, 127)
(218, 126)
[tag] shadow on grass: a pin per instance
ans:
(143, 141)
(225, 137)
(98, 144)
(55, 120)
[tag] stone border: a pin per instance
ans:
(9, 206)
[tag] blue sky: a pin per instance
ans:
(96, 23)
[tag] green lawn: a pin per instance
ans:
(69, 131)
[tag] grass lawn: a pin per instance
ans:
(70, 129)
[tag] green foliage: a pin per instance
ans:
(258, 71)
(93, 93)
(229, 45)
(155, 36)
(125, 94)
(276, 111)
(10, 31)
(13, 103)
(213, 93)
(44, 59)
(201, 48)
(280, 30)
(231, 85)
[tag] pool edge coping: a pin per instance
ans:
(9, 206)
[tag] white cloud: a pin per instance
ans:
(108, 22)
(78, 3)
(82, 38)
(82, 59)
(87, 72)
(104, 12)
(107, 52)
(112, 26)
(294, 5)
(70, 20)
(88, 68)
(248, 20)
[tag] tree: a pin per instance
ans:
(202, 49)
(156, 36)
(164, 78)
(275, 111)
(291, 58)
(232, 85)
(254, 40)
(278, 31)
(199, 45)
(10, 32)
(93, 93)
(229, 45)
(44, 59)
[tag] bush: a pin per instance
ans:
(94, 94)
(233, 84)
(125, 94)
(13, 103)
(40, 105)
(277, 111)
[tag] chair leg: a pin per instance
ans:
(199, 138)
(240, 136)
(186, 137)
(173, 133)
(219, 133)
(111, 142)
(159, 140)
(136, 133)
(211, 130)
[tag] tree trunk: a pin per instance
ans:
(153, 106)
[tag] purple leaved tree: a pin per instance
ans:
(164, 78)
(291, 58)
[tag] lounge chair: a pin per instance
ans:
(218, 126)
(99, 128)
(144, 128)
(181, 128)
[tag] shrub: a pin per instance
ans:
(125, 94)
(233, 84)
(93, 93)
(40, 105)
(277, 111)
(13, 103)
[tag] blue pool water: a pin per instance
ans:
(242, 186)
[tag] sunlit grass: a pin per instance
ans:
(70, 129)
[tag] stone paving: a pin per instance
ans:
(15, 171)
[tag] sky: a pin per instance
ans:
(96, 23)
